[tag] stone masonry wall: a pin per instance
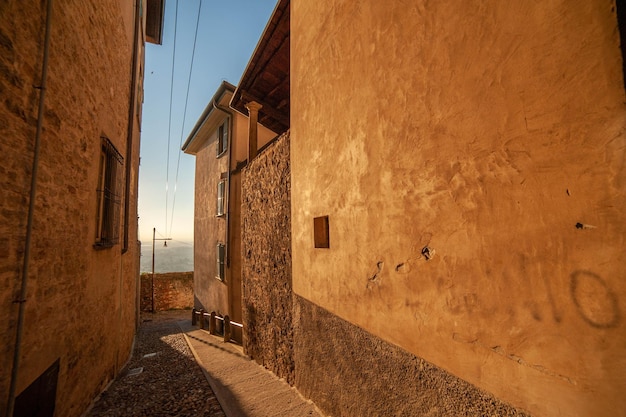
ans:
(172, 291)
(266, 254)
(377, 378)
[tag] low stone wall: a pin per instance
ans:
(172, 291)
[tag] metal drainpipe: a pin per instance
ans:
(230, 155)
(129, 150)
(131, 126)
(31, 208)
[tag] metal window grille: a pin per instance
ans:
(110, 186)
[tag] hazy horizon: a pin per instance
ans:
(177, 256)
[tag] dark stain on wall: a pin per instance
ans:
(596, 303)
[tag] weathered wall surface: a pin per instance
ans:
(80, 303)
(348, 372)
(487, 132)
(172, 291)
(266, 254)
(212, 294)
(225, 297)
(209, 230)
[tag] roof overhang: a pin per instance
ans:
(266, 78)
(154, 21)
(210, 119)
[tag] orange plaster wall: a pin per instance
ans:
(486, 131)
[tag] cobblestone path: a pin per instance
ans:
(170, 382)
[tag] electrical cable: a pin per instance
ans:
(182, 128)
(169, 128)
(182, 242)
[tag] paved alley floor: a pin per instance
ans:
(243, 387)
(180, 370)
(169, 381)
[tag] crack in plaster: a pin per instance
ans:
(511, 356)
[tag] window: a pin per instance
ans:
(39, 398)
(221, 254)
(109, 195)
(222, 138)
(221, 198)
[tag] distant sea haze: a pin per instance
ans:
(175, 257)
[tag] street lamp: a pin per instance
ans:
(153, 239)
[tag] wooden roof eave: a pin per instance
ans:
(266, 78)
(197, 138)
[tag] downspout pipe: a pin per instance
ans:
(31, 209)
(129, 154)
(131, 125)
(231, 123)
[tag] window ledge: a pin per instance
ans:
(102, 246)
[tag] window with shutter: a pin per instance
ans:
(221, 198)
(222, 138)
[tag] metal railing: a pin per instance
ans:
(210, 320)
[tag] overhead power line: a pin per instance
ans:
(182, 129)
(169, 128)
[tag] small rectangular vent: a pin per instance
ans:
(320, 232)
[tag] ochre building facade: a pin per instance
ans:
(470, 161)
(76, 254)
(440, 230)
(219, 141)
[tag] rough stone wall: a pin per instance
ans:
(80, 302)
(470, 159)
(266, 254)
(349, 372)
(172, 291)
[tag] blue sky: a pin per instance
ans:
(228, 32)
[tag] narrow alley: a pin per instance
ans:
(181, 370)
(162, 377)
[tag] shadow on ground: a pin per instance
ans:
(162, 378)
